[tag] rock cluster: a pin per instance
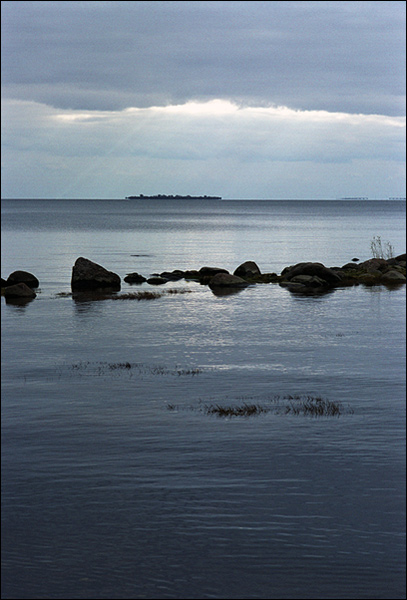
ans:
(303, 278)
(315, 277)
(19, 285)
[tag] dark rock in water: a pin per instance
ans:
(19, 290)
(399, 260)
(293, 286)
(313, 269)
(206, 273)
(267, 278)
(351, 265)
(191, 274)
(355, 259)
(134, 278)
(226, 280)
(393, 277)
(309, 280)
(87, 275)
(211, 271)
(23, 277)
(296, 287)
(175, 275)
(157, 280)
(374, 264)
(247, 270)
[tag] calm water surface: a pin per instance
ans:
(115, 481)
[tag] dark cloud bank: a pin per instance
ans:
(335, 56)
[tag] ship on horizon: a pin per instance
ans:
(172, 197)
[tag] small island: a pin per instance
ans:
(172, 197)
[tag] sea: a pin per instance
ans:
(131, 465)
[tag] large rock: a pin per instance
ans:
(23, 277)
(226, 280)
(247, 270)
(87, 275)
(19, 290)
(312, 269)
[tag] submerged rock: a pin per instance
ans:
(87, 275)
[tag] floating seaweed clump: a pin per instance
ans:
(245, 410)
(314, 406)
(102, 368)
(147, 295)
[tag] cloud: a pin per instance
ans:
(263, 99)
(335, 56)
(231, 139)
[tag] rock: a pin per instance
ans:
(3, 282)
(371, 278)
(350, 265)
(210, 271)
(206, 273)
(247, 270)
(399, 260)
(19, 290)
(293, 286)
(88, 275)
(308, 280)
(314, 269)
(134, 278)
(191, 274)
(175, 275)
(226, 280)
(156, 280)
(23, 277)
(374, 264)
(393, 277)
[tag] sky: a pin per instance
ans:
(236, 99)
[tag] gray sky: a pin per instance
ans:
(239, 99)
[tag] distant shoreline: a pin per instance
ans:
(392, 199)
(172, 197)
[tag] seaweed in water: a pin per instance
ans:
(314, 406)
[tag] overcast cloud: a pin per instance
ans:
(241, 99)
